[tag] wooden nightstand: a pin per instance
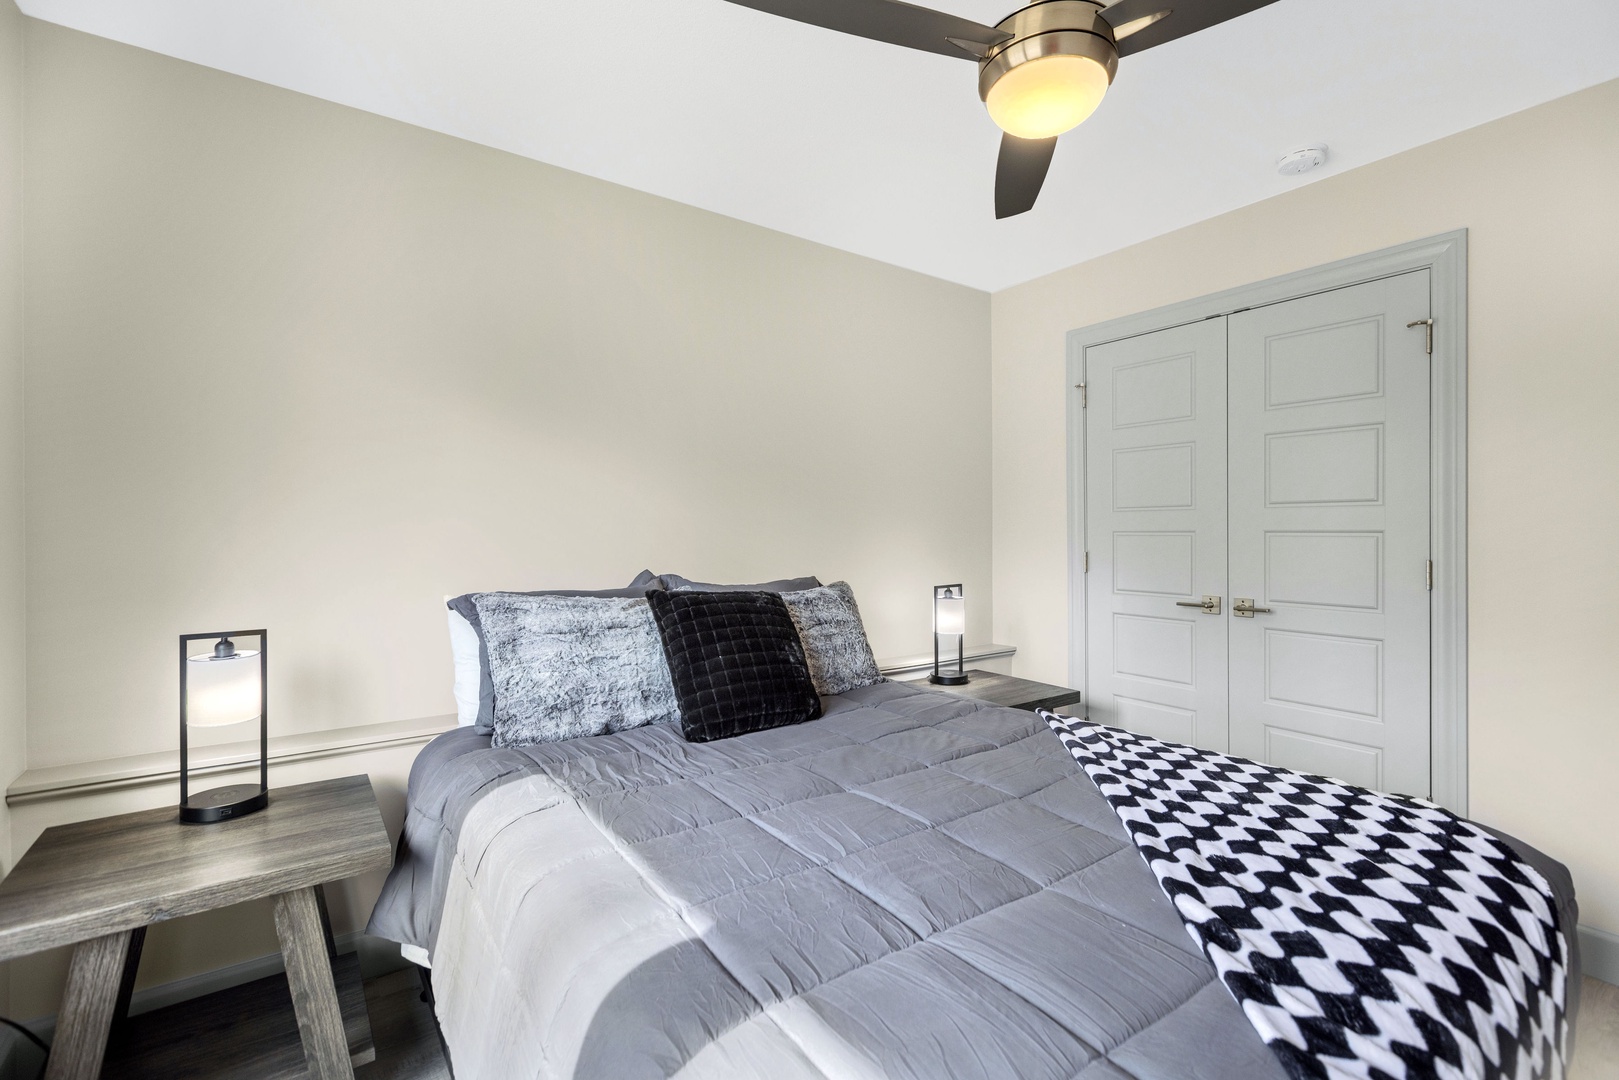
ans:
(1010, 691)
(98, 884)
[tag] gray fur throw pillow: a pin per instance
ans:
(835, 645)
(567, 666)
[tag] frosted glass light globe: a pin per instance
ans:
(1047, 96)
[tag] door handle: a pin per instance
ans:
(1243, 608)
(1209, 604)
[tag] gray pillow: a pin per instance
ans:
(835, 645)
(570, 666)
(676, 583)
(463, 605)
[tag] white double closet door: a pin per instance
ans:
(1278, 456)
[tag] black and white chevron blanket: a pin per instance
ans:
(1364, 935)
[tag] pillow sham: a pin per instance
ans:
(735, 660)
(569, 666)
(484, 715)
(835, 645)
(468, 673)
(676, 583)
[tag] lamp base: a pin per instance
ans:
(223, 803)
(948, 680)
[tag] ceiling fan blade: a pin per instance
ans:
(1143, 31)
(1020, 172)
(892, 21)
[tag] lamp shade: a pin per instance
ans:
(222, 690)
(950, 614)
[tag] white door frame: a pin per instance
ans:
(1445, 256)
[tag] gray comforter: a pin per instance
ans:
(915, 885)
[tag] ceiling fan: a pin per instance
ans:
(1042, 70)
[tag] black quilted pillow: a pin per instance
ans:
(736, 660)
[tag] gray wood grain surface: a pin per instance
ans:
(93, 980)
(97, 877)
(299, 925)
(1011, 691)
(126, 982)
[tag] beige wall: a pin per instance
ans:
(294, 365)
(298, 366)
(1537, 193)
(11, 411)
(12, 582)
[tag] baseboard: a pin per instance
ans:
(1599, 954)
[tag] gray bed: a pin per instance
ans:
(914, 885)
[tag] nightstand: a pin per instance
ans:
(98, 884)
(1010, 691)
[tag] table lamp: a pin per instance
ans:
(222, 686)
(949, 619)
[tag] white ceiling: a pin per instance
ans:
(884, 151)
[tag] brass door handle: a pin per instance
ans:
(1210, 605)
(1243, 608)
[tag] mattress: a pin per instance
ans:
(914, 885)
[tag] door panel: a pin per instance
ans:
(1325, 569)
(1155, 528)
(1328, 446)
(1324, 466)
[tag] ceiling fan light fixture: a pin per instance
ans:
(1042, 70)
(1053, 72)
(1047, 96)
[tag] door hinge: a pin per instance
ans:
(1426, 324)
(1428, 577)
(1084, 395)
(1087, 563)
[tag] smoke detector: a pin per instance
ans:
(1301, 161)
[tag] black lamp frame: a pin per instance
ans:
(232, 800)
(938, 677)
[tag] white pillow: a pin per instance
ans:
(468, 672)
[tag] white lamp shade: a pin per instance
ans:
(222, 691)
(949, 615)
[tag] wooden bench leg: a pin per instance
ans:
(93, 981)
(298, 924)
(126, 984)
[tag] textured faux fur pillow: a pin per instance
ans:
(464, 607)
(567, 666)
(835, 645)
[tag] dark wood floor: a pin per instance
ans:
(402, 1027)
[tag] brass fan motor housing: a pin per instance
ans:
(1050, 28)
